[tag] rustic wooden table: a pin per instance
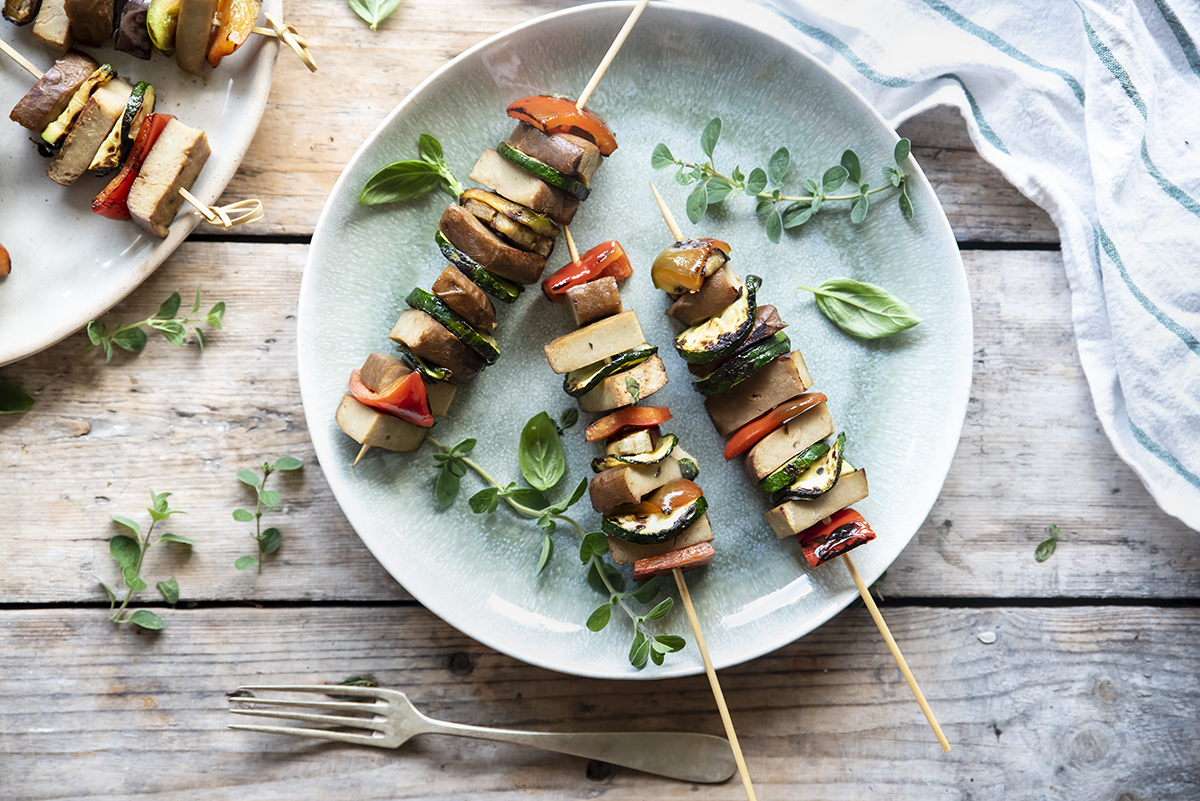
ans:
(1090, 690)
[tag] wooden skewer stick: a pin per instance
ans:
(244, 211)
(361, 453)
(571, 245)
(611, 54)
(716, 685)
(865, 592)
(666, 213)
(290, 37)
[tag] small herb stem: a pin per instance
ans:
(710, 172)
(144, 541)
(516, 507)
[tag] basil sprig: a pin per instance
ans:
(405, 180)
(374, 12)
(863, 310)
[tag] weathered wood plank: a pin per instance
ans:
(1031, 454)
(293, 163)
(1074, 703)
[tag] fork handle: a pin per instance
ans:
(676, 755)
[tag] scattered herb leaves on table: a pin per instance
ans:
(13, 399)
(129, 552)
(412, 178)
(543, 464)
(374, 12)
(1046, 547)
(269, 540)
(133, 339)
(863, 310)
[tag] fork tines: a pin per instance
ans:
(340, 721)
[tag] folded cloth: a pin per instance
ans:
(1089, 109)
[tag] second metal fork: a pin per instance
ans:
(394, 720)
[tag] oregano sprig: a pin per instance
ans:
(782, 211)
(129, 552)
(14, 400)
(411, 178)
(269, 540)
(542, 462)
(132, 338)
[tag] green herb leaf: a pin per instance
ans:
(541, 453)
(863, 310)
(485, 501)
(248, 477)
(757, 181)
(127, 523)
(1046, 547)
(430, 149)
(170, 306)
(645, 593)
(853, 166)
(599, 618)
(710, 136)
(906, 209)
(594, 544)
(833, 178)
(547, 552)
(169, 537)
(125, 550)
(374, 12)
(718, 189)
(243, 516)
(774, 225)
(633, 388)
(697, 202)
(656, 655)
(903, 148)
(173, 331)
(859, 212)
(245, 562)
(132, 580)
(797, 214)
(216, 314)
(446, 488)
(270, 542)
(672, 641)
(661, 610)
(398, 181)
(684, 176)
(96, 332)
(146, 619)
(196, 305)
(112, 596)
(527, 496)
(614, 577)
(287, 463)
(639, 652)
(764, 205)
(737, 176)
(779, 165)
(268, 498)
(131, 340)
(463, 448)
(169, 590)
(662, 157)
(568, 418)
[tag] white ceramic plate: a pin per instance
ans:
(902, 400)
(70, 265)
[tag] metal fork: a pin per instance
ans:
(394, 720)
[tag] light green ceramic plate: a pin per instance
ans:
(901, 400)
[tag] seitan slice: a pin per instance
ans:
(52, 27)
(42, 104)
(594, 300)
(792, 517)
(786, 442)
(612, 488)
(101, 112)
(571, 155)
(176, 159)
(465, 298)
(431, 341)
(192, 33)
(91, 20)
(784, 378)
(593, 343)
(473, 238)
(717, 292)
(615, 391)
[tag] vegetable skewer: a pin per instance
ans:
(863, 590)
(225, 217)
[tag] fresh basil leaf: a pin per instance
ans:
(169, 589)
(245, 562)
(541, 452)
(170, 306)
(131, 340)
(248, 477)
(529, 497)
(374, 12)
(710, 136)
(430, 149)
(398, 181)
(757, 182)
(547, 552)
(863, 310)
(833, 178)
(774, 225)
(599, 618)
(718, 190)
(663, 607)
(903, 148)
(778, 165)
(271, 540)
(859, 212)
(446, 488)
(906, 209)
(485, 501)
(853, 166)
(169, 537)
(662, 157)
(697, 202)
(287, 463)
(146, 619)
(243, 516)
(645, 593)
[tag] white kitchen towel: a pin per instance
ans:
(1089, 109)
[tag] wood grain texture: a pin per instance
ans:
(293, 163)
(1031, 454)
(1076, 704)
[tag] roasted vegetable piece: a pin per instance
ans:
(683, 266)
(5, 261)
(95, 122)
(113, 201)
(21, 12)
(630, 417)
(666, 514)
(42, 104)
(689, 558)
(192, 33)
(404, 398)
(819, 477)
(578, 383)
(607, 258)
(666, 446)
(469, 235)
(780, 380)
(553, 114)
(845, 531)
(237, 18)
(759, 427)
(544, 171)
(58, 129)
(538, 223)
(162, 21)
(132, 36)
(719, 290)
(427, 338)
(499, 288)
(718, 337)
(484, 345)
(792, 517)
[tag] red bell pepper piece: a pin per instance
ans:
(113, 201)
(404, 398)
(745, 437)
(552, 114)
(607, 258)
(629, 417)
(688, 558)
(845, 531)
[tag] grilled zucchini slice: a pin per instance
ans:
(578, 383)
(499, 288)
(648, 529)
(742, 365)
(718, 337)
(544, 171)
(483, 344)
(665, 446)
(818, 478)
